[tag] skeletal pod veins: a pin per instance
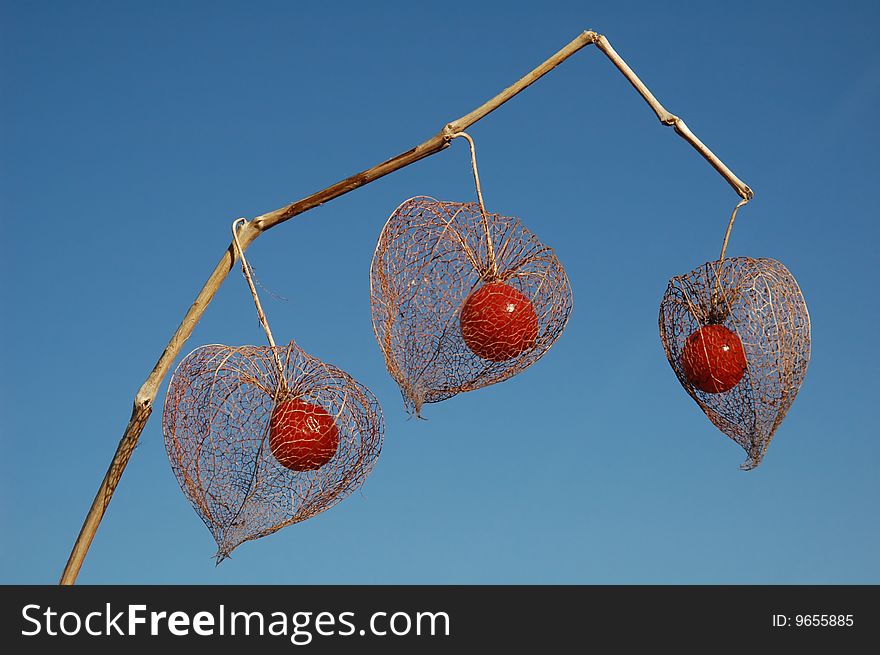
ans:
(256, 448)
(462, 299)
(737, 335)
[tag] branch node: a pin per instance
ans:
(144, 397)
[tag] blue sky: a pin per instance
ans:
(134, 133)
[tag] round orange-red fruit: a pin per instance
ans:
(498, 322)
(302, 436)
(713, 359)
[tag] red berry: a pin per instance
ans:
(302, 436)
(498, 322)
(713, 359)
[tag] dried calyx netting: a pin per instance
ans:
(737, 334)
(260, 437)
(462, 298)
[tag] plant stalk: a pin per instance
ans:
(146, 395)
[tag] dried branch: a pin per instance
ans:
(143, 403)
(671, 119)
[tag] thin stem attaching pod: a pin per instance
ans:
(143, 402)
(246, 269)
(490, 249)
(729, 228)
(717, 290)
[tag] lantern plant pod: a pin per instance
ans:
(462, 299)
(253, 452)
(737, 334)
